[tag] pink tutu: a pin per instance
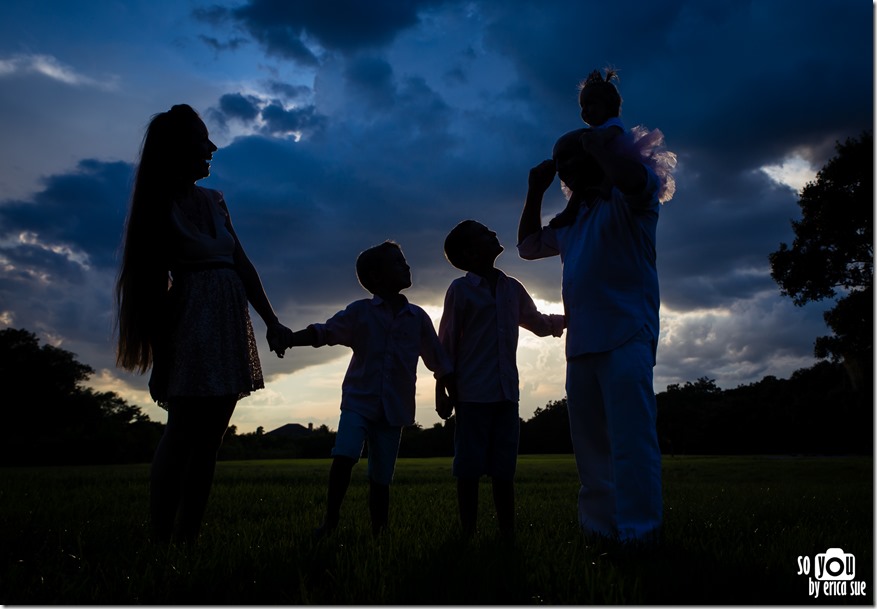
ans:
(648, 146)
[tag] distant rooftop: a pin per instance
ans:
(291, 430)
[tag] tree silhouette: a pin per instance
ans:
(685, 415)
(547, 432)
(38, 382)
(832, 255)
(815, 411)
(52, 418)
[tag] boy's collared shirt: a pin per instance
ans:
(610, 278)
(380, 380)
(480, 334)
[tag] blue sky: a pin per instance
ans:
(344, 123)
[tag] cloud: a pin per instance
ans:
(58, 258)
(713, 249)
(232, 44)
(794, 171)
(294, 122)
(241, 107)
(257, 114)
(736, 82)
(290, 92)
(301, 31)
(372, 78)
(52, 68)
(737, 343)
(76, 215)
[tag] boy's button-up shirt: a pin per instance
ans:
(381, 377)
(610, 277)
(480, 334)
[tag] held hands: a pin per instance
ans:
(279, 338)
(444, 406)
(445, 396)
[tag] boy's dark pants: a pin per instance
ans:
(339, 481)
(503, 501)
(486, 442)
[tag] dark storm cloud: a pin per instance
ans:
(305, 120)
(241, 107)
(58, 255)
(372, 77)
(711, 247)
(291, 207)
(370, 176)
(289, 29)
(741, 81)
(232, 44)
(82, 211)
(276, 119)
(288, 91)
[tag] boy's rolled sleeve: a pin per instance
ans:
(338, 330)
(529, 317)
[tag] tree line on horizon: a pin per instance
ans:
(53, 419)
(815, 411)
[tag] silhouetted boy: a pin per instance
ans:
(387, 335)
(479, 331)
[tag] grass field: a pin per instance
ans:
(734, 529)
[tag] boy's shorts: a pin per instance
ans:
(383, 444)
(486, 440)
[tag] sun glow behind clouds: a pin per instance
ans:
(700, 342)
(309, 395)
(313, 394)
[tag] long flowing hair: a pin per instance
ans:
(143, 279)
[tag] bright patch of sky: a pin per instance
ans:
(794, 172)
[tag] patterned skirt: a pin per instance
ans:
(209, 349)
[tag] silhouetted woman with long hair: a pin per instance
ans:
(182, 302)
